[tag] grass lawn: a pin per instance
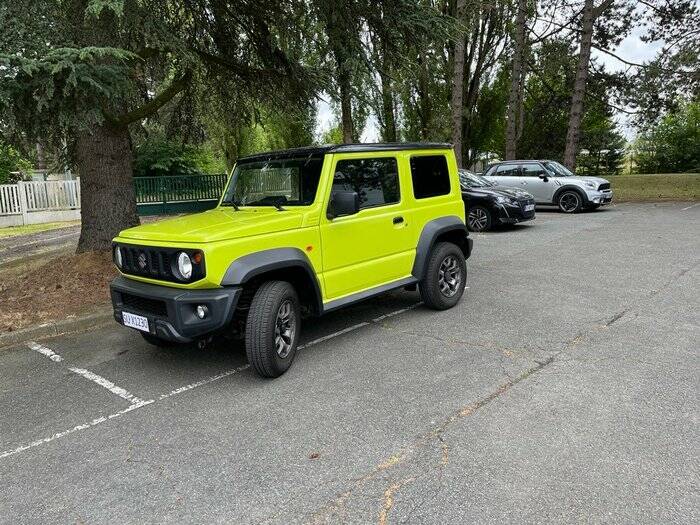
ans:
(660, 187)
(13, 231)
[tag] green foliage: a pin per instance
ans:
(673, 145)
(333, 135)
(546, 113)
(12, 160)
(161, 157)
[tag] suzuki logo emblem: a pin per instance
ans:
(142, 261)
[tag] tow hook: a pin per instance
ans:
(203, 343)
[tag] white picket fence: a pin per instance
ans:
(39, 201)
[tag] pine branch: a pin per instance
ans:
(153, 105)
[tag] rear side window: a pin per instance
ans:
(376, 181)
(430, 176)
(508, 170)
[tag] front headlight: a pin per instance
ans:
(501, 199)
(118, 257)
(590, 184)
(184, 266)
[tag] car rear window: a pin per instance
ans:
(508, 170)
(376, 181)
(430, 176)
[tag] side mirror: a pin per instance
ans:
(544, 176)
(343, 203)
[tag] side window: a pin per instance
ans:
(490, 172)
(508, 170)
(430, 176)
(532, 170)
(376, 181)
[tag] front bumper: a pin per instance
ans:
(599, 198)
(171, 311)
(513, 214)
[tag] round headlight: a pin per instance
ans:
(117, 257)
(184, 265)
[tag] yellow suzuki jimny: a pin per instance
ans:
(299, 232)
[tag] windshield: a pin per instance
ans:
(469, 180)
(558, 169)
(274, 182)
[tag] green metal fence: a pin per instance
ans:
(179, 194)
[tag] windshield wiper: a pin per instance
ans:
(231, 203)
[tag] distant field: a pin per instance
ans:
(667, 186)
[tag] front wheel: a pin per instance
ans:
(479, 219)
(445, 277)
(570, 201)
(272, 328)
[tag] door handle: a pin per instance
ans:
(524, 183)
(398, 220)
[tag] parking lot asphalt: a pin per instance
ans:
(563, 388)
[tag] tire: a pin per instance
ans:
(157, 341)
(570, 201)
(479, 219)
(270, 352)
(436, 291)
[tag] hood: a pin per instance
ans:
(516, 193)
(218, 224)
(581, 178)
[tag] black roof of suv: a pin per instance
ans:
(347, 148)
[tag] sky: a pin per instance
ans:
(631, 49)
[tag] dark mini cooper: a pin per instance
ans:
(488, 206)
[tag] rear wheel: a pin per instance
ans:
(570, 201)
(272, 328)
(445, 277)
(479, 219)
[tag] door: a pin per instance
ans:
(507, 174)
(374, 246)
(536, 180)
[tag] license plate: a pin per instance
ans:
(135, 321)
(529, 207)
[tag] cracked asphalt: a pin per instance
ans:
(563, 388)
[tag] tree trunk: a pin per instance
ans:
(590, 13)
(516, 82)
(345, 104)
(458, 86)
(108, 201)
(425, 104)
(389, 132)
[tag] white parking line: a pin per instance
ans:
(106, 383)
(87, 374)
(331, 336)
(203, 382)
(691, 206)
(397, 312)
(76, 428)
(45, 351)
(138, 403)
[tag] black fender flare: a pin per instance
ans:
(569, 187)
(432, 230)
(247, 267)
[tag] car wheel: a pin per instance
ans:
(272, 329)
(479, 219)
(570, 201)
(157, 341)
(445, 277)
